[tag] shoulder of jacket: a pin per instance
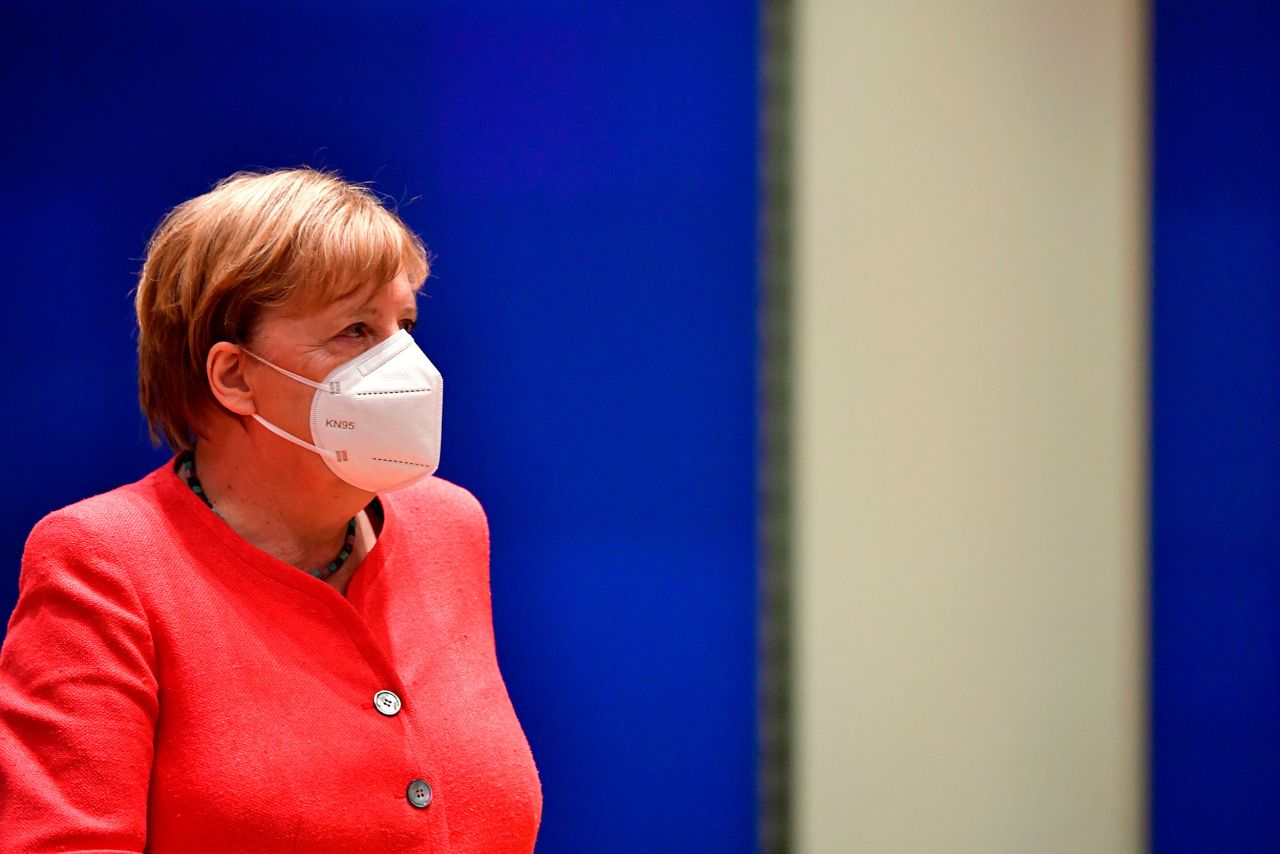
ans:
(86, 549)
(440, 492)
(439, 502)
(95, 520)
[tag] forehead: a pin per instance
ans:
(397, 295)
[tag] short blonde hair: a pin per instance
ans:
(257, 239)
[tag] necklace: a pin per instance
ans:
(186, 466)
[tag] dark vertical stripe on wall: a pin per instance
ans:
(1216, 428)
(775, 691)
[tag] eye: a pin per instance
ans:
(408, 324)
(355, 330)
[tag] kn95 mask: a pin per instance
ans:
(376, 419)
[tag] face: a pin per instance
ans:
(313, 343)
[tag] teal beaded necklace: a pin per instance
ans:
(186, 466)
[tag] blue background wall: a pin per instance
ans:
(585, 174)
(1216, 428)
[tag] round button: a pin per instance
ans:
(419, 794)
(386, 702)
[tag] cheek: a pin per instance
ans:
(290, 402)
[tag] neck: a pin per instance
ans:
(281, 498)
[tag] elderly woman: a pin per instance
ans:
(280, 640)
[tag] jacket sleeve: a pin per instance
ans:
(78, 699)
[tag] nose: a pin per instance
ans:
(383, 331)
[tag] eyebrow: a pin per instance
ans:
(373, 309)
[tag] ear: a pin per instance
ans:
(225, 369)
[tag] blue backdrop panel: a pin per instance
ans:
(1216, 428)
(585, 175)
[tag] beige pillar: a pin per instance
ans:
(970, 426)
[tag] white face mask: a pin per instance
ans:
(376, 419)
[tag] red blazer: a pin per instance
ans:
(165, 685)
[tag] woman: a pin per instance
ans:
(280, 640)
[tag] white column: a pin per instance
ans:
(970, 426)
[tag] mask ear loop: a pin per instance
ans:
(285, 434)
(289, 374)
